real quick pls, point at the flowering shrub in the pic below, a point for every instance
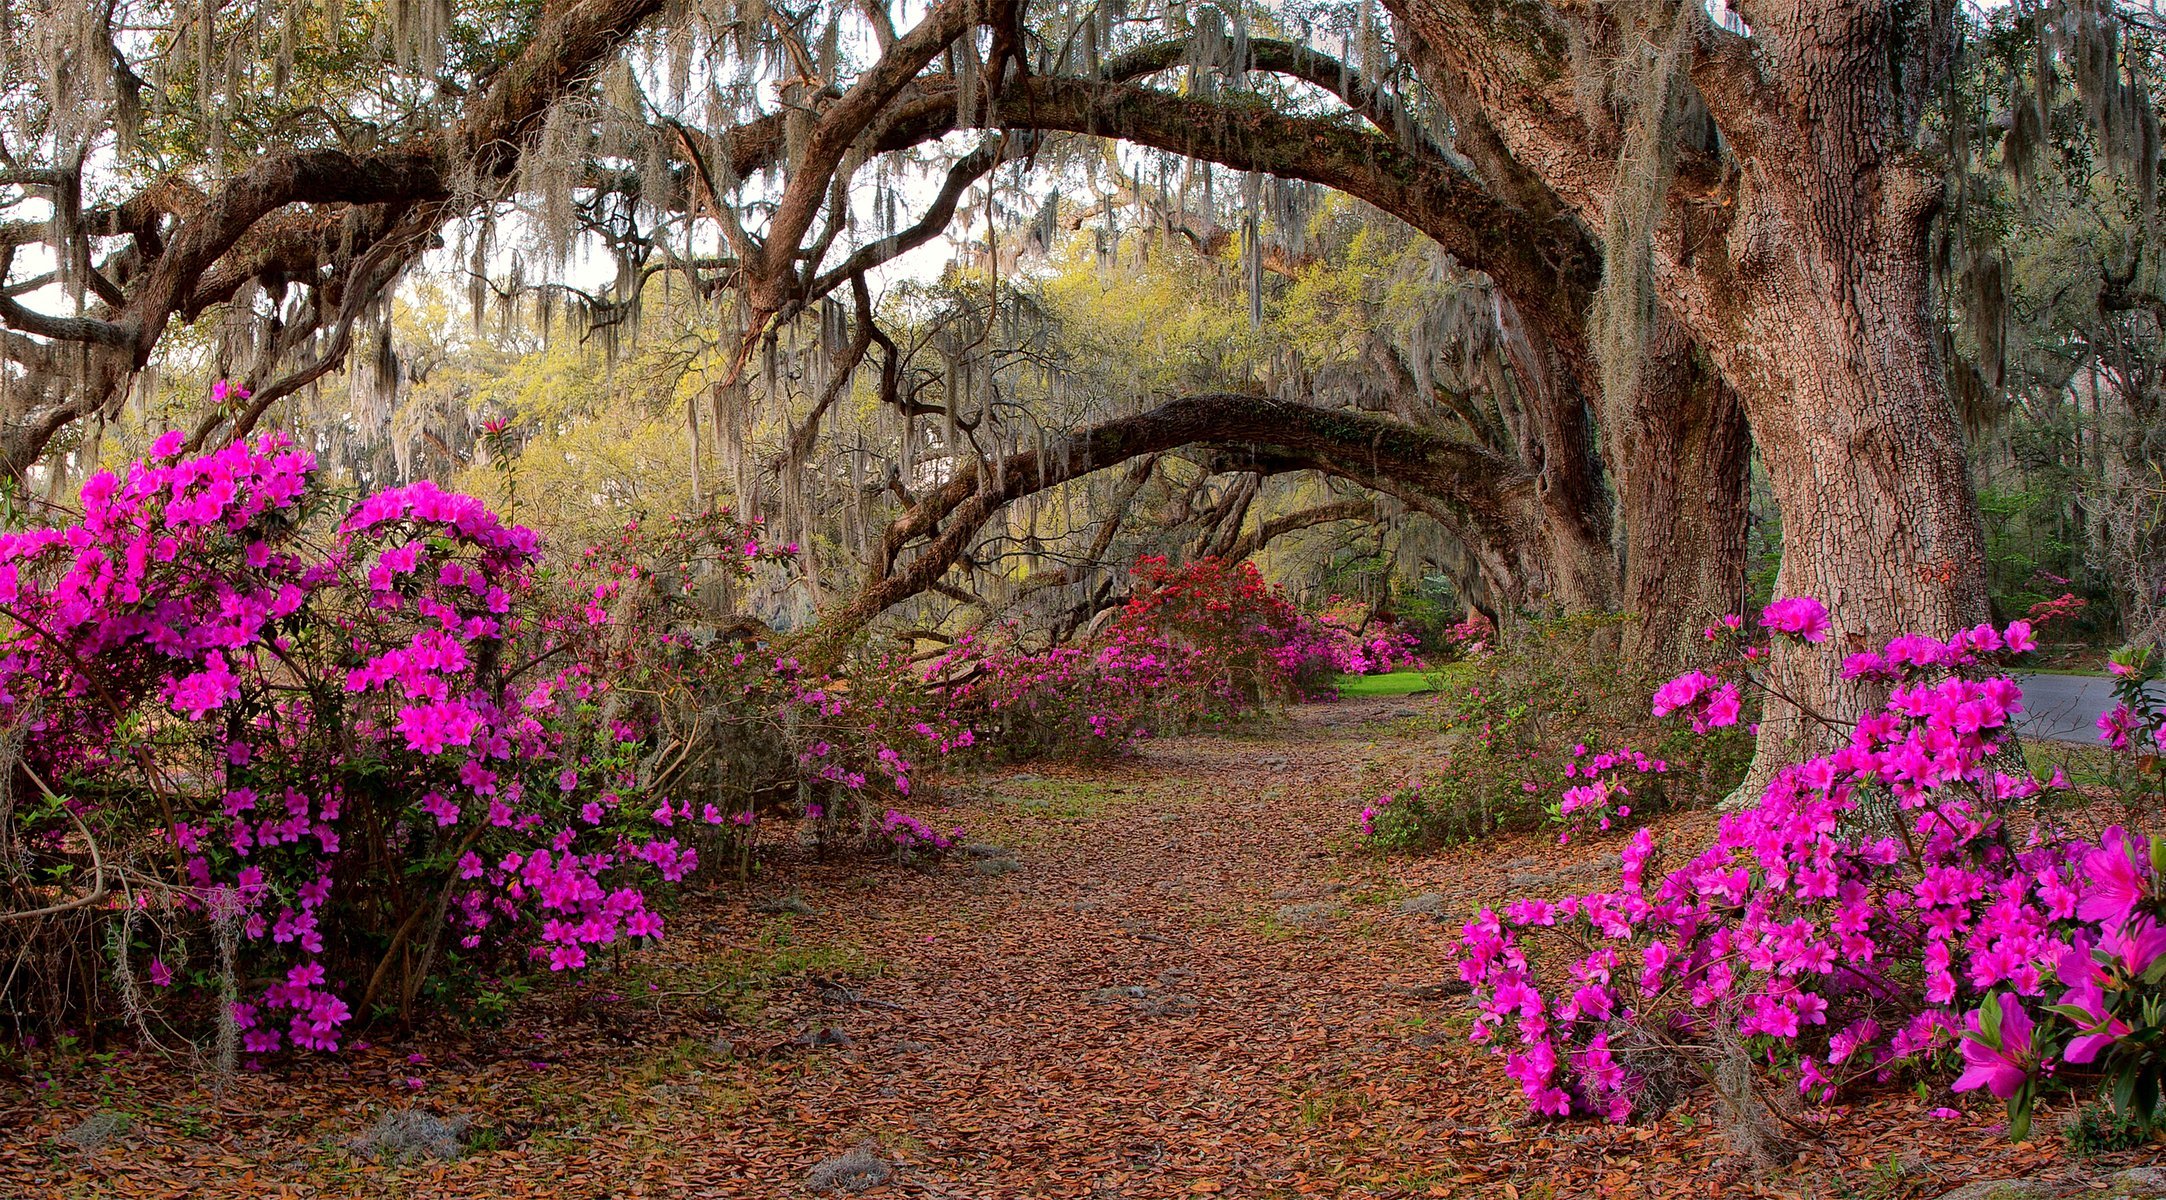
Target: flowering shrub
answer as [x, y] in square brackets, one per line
[749, 733]
[1396, 820]
[1879, 908]
[345, 750]
[398, 752]
[1540, 699]
[1604, 791]
[1344, 638]
[1202, 643]
[914, 839]
[1470, 637]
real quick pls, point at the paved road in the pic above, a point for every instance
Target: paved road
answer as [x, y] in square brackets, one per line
[2063, 708]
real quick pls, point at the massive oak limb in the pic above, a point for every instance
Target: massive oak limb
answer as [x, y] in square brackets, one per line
[1548, 274]
[187, 244]
[1468, 485]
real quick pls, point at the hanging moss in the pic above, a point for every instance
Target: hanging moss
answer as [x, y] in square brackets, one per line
[1652, 68]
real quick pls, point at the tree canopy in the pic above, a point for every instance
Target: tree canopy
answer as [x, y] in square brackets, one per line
[1547, 277]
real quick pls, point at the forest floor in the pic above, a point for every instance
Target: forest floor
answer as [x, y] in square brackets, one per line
[1178, 975]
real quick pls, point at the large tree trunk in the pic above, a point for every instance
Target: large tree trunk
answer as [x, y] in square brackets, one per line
[1818, 315]
[1865, 457]
[1676, 449]
[1683, 457]
[1551, 368]
[1793, 252]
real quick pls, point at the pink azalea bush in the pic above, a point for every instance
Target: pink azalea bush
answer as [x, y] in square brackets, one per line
[332, 742]
[389, 751]
[751, 734]
[913, 839]
[1344, 638]
[1897, 902]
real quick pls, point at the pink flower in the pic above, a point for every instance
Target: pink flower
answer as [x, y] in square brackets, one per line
[1723, 706]
[1996, 1048]
[2114, 883]
[2135, 943]
[2085, 1000]
[161, 975]
[1801, 616]
[1682, 691]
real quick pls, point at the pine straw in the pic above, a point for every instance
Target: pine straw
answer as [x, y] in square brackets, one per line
[1123, 1016]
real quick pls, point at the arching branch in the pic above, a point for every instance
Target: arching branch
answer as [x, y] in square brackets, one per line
[224, 226]
[1360, 508]
[1426, 470]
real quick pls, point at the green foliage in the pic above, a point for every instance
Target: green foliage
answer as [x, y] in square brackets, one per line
[2096, 1128]
[1553, 688]
[1429, 609]
[2049, 261]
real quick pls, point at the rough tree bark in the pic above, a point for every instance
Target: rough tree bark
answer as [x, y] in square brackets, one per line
[1817, 312]
[1794, 255]
[1682, 498]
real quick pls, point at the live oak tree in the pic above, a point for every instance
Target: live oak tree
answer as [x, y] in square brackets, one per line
[1692, 225]
[606, 153]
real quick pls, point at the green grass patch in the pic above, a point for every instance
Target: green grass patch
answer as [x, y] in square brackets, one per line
[1397, 683]
[740, 980]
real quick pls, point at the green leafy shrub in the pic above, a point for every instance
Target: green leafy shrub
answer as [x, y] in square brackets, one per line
[2096, 1128]
[1548, 688]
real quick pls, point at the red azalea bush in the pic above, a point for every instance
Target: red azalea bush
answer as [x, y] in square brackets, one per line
[1898, 903]
[397, 757]
[1203, 643]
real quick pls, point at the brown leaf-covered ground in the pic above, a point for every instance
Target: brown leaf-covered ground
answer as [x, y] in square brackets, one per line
[1179, 977]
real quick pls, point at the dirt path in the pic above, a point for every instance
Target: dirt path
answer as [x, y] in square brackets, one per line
[1171, 976]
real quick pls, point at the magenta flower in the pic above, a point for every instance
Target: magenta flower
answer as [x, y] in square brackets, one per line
[2085, 1003]
[1723, 707]
[1997, 1048]
[1800, 616]
[2135, 943]
[1682, 691]
[2115, 883]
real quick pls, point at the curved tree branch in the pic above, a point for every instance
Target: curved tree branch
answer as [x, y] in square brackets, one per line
[1428, 471]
